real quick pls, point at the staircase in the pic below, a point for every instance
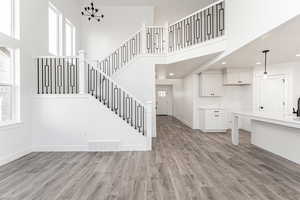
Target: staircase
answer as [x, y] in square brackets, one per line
[116, 99]
[76, 75]
[196, 29]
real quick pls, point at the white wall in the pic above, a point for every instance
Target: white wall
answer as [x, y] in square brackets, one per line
[164, 10]
[187, 114]
[119, 24]
[172, 11]
[248, 20]
[69, 123]
[15, 141]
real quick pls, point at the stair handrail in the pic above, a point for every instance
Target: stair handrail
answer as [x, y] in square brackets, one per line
[123, 54]
[114, 82]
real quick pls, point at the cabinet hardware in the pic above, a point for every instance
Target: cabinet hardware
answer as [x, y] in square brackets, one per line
[216, 115]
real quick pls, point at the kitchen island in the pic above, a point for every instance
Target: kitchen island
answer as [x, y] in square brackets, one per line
[278, 134]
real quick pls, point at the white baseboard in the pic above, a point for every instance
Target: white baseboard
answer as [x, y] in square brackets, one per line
[67, 148]
[85, 148]
[14, 156]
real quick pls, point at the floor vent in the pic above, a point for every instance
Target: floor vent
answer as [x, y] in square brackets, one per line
[104, 145]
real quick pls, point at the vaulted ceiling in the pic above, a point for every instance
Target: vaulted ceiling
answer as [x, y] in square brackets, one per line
[164, 10]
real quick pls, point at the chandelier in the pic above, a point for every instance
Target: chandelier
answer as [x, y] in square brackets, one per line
[92, 13]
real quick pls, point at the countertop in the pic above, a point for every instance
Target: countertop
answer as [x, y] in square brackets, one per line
[284, 120]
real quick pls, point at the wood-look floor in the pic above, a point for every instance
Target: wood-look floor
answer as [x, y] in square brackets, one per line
[184, 164]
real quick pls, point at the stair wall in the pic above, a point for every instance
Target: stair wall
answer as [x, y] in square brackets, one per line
[81, 123]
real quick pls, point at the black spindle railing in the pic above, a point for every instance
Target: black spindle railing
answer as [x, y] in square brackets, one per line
[204, 25]
[57, 75]
[155, 40]
[120, 57]
[116, 99]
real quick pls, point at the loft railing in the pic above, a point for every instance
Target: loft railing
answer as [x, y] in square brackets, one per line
[57, 75]
[155, 40]
[199, 27]
[203, 25]
[116, 99]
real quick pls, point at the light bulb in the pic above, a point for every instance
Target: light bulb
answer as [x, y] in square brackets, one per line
[265, 75]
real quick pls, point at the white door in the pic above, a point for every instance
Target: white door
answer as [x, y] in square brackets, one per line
[164, 100]
[272, 95]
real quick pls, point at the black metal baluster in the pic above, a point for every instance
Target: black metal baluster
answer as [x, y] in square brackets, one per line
[42, 75]
[123, 105]
[135, 120]
[100, 87]
[96, 83]
[64, 75]
[143, 120]
[51, 80]
[112, 96]
[107, 92]
[45, 75]
[222, 15]
[46, 78]
[77, 78]
[68, 75]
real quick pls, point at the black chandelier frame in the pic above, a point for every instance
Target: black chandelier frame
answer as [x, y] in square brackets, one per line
[92, 13]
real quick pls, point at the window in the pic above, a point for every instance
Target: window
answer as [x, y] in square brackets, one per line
[162, 93]
[69, 38]
[8, 86]
[55, 31]
[9, 15]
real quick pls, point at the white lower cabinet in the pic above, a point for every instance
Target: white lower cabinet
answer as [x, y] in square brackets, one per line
[212, 120]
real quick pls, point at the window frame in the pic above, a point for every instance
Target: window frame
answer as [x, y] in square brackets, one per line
[73, 37]
[14, 84]
[15, 20]
[59, 22]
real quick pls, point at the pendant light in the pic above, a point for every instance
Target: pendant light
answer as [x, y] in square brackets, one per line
[265, 72]
[92, 13]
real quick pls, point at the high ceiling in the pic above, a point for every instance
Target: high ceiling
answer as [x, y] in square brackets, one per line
[183, 68]
[164, 10]
[283, 43]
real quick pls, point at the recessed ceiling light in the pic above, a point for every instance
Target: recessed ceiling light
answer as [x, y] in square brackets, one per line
[298, 55]
[171, 74]
[223, 63]
[258, 63]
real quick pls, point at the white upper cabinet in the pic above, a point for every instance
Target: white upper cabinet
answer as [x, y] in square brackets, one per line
[211, 84]
[238, 76]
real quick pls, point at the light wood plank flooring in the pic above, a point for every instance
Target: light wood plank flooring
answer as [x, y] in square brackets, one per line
[184, 164]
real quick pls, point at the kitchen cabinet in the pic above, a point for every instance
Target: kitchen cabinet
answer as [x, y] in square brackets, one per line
[212, 120]
[211, 84]
[237, 76]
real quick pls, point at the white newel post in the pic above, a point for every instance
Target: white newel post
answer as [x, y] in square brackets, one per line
[149, 125]
[166, 37]
[82, 74]
[144, 39]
